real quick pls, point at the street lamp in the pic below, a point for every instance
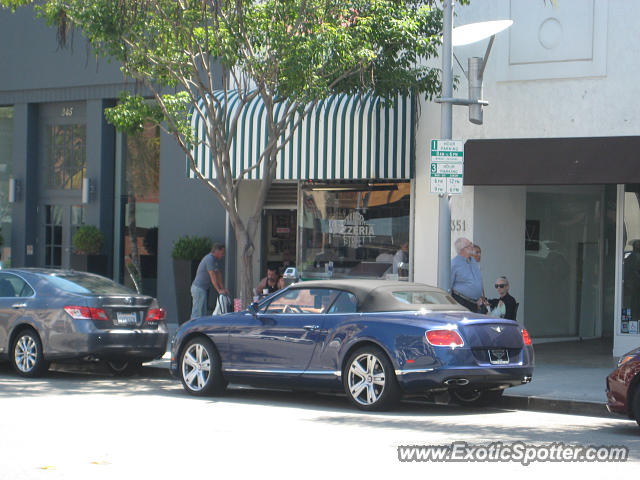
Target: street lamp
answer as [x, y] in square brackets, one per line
[463, 35]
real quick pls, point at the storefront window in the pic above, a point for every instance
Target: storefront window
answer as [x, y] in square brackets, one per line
[567, 260]
[6, 171]
[355, 230]
[631, 261]
[137, 206]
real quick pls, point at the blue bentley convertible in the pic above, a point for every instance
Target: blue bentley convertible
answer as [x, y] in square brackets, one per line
[376, 340]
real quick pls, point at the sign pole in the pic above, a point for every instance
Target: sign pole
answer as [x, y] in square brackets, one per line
[444, 217]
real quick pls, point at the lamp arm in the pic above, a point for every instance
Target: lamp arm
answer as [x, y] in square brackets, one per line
[486, 55]
[461, 67]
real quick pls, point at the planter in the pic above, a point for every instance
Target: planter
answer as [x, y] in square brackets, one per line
[97, 264]
[184, 271]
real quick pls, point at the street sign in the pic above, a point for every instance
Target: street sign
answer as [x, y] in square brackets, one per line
[446, 168]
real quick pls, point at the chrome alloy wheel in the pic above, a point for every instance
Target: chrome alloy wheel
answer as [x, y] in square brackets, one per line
[366, 379]
[196, 367]
[26, 353]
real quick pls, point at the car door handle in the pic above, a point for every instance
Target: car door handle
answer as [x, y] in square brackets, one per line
[18, 305]
[311, 327]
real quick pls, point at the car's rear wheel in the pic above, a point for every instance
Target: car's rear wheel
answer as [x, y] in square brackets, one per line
[369, 380]
[200, 368]
[472, 396]
[26, 354]
[123, 367]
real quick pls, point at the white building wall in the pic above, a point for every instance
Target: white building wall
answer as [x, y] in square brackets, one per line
[499, 224]
[566, 68]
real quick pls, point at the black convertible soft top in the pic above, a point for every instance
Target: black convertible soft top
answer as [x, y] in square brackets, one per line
[388, 296]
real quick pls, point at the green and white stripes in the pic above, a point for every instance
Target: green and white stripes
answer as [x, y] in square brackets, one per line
[343, 137]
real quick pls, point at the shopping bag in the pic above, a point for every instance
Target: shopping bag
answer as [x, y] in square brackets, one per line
[223, 305]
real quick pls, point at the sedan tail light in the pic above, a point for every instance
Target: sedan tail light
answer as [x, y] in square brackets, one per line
[446, 338]
[155, 315]
[525, 337]
[86, 313]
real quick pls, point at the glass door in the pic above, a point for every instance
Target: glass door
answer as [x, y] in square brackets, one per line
[60, 223]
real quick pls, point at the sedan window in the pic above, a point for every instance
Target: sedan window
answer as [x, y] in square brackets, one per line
[14, 286]
[77, 282]
[302, 301]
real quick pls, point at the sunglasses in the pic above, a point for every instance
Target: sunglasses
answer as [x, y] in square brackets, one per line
[500, 285]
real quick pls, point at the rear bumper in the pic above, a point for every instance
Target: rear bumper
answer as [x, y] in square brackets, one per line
[138, 344]
[131, 344]
[463, 377]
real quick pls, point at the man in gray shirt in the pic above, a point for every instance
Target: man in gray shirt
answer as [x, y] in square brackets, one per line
[209, 273]
[466, 279]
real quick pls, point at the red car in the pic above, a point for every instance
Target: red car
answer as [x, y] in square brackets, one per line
[623, 386]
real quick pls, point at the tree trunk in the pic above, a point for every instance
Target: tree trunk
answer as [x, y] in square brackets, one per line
[133, 267]
[245, 244]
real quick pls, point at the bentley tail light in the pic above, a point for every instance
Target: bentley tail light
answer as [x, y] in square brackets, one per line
[525, 337]
[445, 338]
[155, 315]
[86, 313]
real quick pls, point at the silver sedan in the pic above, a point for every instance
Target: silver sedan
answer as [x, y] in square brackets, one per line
[48, 315]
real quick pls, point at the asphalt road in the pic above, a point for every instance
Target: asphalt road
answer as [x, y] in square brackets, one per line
[79, 425]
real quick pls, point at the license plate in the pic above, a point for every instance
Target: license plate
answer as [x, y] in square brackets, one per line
[499, 356]
[126, 318]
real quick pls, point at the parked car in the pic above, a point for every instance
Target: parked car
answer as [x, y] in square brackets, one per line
[48, 315]
[373, 339]
[623, 386]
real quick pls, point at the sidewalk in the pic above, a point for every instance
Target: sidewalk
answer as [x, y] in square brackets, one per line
[569, 377]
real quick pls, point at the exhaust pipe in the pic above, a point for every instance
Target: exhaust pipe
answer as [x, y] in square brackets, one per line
[526, 379]
[457, 381]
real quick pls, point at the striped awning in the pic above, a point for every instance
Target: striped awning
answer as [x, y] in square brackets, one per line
[343, 137]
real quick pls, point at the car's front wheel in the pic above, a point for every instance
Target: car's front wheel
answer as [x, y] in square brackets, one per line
[635, 405]
[26, 354]
[476, 396]
[369, 379]
[200, 368]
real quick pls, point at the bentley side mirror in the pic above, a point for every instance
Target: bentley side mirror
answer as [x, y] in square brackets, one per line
[253, 308]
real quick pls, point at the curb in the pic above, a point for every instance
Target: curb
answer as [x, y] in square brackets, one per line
[555, 405]
[539, 404]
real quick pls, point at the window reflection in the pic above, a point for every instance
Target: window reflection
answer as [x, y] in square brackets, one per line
[139, 210]
[631, 261]
[355, 230]
[6, 171]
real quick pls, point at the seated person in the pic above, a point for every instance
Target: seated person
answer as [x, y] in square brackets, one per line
[270, 283]
[502, 307]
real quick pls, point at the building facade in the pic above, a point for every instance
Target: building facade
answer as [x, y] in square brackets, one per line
[551, 177]
[54, 140]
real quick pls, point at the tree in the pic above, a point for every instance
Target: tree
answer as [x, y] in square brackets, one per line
[291, 53]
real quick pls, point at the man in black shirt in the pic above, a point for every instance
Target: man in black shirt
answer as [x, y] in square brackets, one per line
[270, 283]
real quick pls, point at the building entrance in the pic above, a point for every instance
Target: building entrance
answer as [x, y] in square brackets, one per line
[278, 240]
[569, 260]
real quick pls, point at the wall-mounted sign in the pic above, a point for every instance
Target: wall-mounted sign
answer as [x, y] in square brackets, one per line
[446, 168]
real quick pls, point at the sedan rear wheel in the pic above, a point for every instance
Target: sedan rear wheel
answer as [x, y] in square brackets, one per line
[200, 368]
[26, 354]
[123, 367]
[476, 397]
[369, 380]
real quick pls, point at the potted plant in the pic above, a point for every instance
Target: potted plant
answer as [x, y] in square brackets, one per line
[187, 253]
[87, 256]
